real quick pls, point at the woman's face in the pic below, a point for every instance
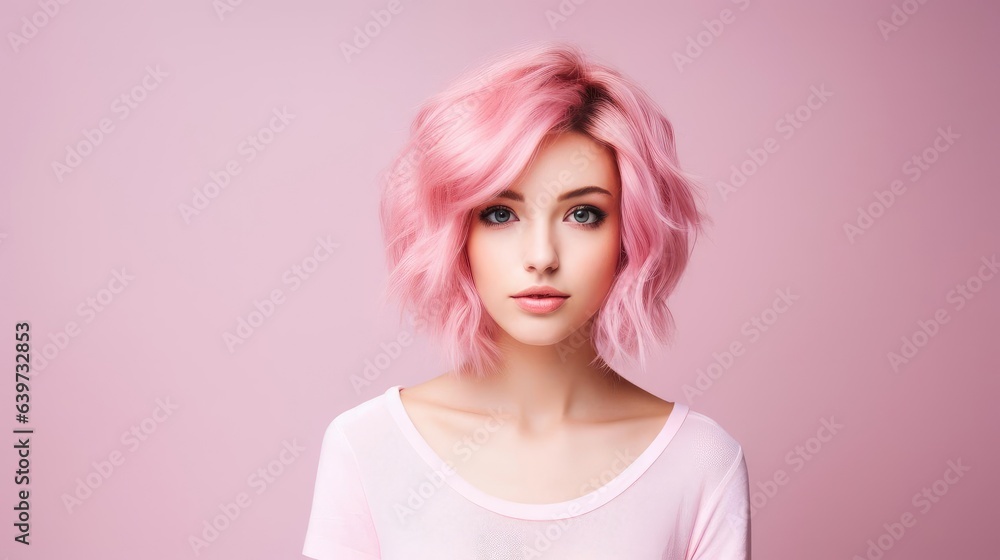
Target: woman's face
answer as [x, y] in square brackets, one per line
[557, 226]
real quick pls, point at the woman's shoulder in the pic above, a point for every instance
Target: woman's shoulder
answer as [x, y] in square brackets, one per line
[698, 436]
[710, 444]
[709, 423]
[364, 416]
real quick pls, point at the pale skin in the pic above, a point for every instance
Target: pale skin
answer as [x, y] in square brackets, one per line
[565, 423]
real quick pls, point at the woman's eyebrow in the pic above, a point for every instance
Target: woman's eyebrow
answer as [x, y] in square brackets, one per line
[566, 195]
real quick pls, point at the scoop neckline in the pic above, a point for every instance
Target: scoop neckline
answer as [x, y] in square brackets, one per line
[528, 511]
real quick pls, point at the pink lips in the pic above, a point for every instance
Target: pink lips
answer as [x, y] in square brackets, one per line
[540, 304]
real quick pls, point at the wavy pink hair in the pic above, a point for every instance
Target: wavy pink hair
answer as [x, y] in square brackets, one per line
[472, 140]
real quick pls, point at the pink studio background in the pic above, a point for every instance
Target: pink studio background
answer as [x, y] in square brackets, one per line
[824, 358]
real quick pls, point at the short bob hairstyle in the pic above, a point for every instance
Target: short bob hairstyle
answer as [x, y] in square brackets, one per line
[472, 140]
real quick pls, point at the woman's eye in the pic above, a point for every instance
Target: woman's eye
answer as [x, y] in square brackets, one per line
[587, 216]
[502, 215]
[581, 215]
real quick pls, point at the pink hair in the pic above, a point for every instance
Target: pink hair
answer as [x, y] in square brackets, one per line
[473, 139]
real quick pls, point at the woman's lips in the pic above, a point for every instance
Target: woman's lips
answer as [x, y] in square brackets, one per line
[540, 304]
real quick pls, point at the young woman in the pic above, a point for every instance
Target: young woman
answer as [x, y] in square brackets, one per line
[536, 222]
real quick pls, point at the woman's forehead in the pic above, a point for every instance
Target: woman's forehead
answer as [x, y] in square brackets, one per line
[566, 164]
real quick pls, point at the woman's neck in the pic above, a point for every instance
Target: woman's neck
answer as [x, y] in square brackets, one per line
[542, 386]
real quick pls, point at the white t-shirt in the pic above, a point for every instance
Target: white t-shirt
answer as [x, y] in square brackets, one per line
[382, 493]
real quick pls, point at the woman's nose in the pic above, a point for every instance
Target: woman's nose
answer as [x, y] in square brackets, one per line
[540, 253]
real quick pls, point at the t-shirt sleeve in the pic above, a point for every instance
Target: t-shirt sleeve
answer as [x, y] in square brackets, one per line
[340, 523]
[723, 530]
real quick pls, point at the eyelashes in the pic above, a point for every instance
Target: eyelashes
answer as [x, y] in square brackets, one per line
[506, 215]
